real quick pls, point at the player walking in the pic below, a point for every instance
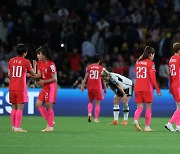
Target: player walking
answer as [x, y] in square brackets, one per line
[174, 67]
[145, 80]
[94, 87]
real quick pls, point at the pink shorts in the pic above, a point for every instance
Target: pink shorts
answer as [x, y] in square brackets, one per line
[47, 96]
[95, 94]
[143, 97]
[18, 97]
[175, 91]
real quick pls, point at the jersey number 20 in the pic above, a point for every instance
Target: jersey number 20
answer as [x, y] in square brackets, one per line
[94, 74]
[141, 72]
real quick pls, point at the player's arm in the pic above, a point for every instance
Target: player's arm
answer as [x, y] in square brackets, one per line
[104, 85]
[154, 82]
[52, 79]
[84, 81]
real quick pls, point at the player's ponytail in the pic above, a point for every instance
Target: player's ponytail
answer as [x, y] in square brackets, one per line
[147, 52]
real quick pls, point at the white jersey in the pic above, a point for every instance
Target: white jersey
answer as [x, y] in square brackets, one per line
[125, 83]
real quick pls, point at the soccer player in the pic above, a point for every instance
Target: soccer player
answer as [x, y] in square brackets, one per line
[123, 89]
[145, 80]
[94, 87]
[174, 67]
[17, 72]
[46, 72]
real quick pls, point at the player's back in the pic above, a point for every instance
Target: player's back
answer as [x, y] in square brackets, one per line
[122, 80]
[142, 69]
[94, 77]
[174, 67]
[18, 68]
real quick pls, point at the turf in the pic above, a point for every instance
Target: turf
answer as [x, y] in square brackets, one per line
[74, 135]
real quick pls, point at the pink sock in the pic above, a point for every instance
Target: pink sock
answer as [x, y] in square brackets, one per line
[43, 112]
[50, 117]
[13, 114]
[178, 118]
[174, 117]
[90, 107]
[137, 113]
[18, 118]
[97, 111]
[148, 117]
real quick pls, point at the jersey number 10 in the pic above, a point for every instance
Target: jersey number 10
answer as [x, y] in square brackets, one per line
[16, 71]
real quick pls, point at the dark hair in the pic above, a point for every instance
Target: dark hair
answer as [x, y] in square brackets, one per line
[21, 49]
[96, 58]
[45, 50]
[176, 47]
[147, 51]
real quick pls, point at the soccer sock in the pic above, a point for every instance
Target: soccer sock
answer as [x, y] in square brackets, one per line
[148, 115]
[116, 112]
[126, 112]
[137, 113]
[174, 117]
[13, 114]
[18, 118]
[50, 117]
[97, 111]
[178, 118]
[90, 107]
[43, 112]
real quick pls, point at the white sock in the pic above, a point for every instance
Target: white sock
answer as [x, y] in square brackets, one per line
[126, 112]
[116, 112]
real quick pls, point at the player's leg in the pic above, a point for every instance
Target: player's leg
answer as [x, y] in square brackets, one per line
[90, 104]
[137, 115]
[39, 105]
[175, 117]
[18, 118]
[148, 116]
[98, 96]
[50, 117]
[13, 115]
[178, 117]
[116, 110]
[97, 111]
[41, 109]
[125, 111]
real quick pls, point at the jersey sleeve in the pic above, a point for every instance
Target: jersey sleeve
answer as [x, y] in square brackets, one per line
[153, 77]
[29, 66]
[53, 68]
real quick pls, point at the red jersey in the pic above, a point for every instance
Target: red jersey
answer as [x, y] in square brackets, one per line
[145, 76]
[47, 69]
[174, 67]
[94, 77]
[18, 68]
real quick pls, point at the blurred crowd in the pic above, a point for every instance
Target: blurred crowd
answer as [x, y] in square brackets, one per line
[75, 30]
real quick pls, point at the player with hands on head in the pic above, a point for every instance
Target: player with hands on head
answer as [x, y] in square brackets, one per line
[123, 89]
[174, 67]
[94, 87]
[47, 75]
[18, 67]
[143, 88]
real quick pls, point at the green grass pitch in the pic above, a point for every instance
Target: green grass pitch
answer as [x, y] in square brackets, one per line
[74, 135]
